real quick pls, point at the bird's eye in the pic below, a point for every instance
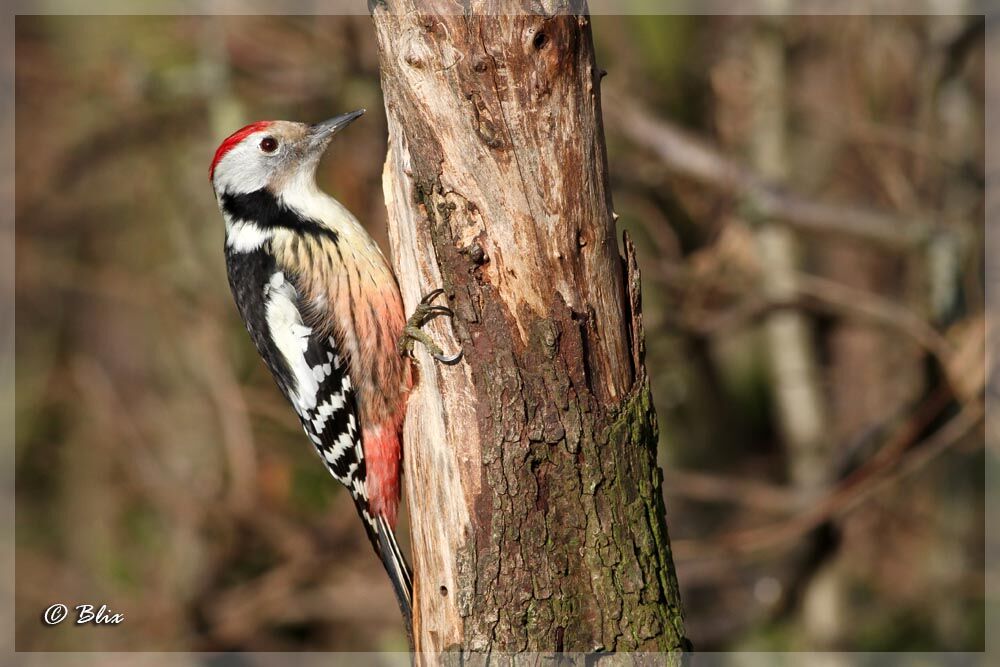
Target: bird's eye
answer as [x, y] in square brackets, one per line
[269, 144]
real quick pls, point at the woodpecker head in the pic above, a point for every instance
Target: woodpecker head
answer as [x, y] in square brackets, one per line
[272, 154]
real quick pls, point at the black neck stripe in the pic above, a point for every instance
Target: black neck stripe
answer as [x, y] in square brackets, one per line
[261, 207]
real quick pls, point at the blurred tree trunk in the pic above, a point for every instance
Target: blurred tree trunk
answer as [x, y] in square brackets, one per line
[799, 398]
[796, 378]
[535, 501]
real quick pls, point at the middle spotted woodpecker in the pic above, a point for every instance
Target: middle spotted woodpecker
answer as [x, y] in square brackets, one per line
[324, 310]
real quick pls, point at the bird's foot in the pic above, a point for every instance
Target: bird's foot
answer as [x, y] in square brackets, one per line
[422, 314]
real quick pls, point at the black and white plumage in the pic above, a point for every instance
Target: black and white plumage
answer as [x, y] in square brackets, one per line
[306, 366]
[299, 266]
[310, 372]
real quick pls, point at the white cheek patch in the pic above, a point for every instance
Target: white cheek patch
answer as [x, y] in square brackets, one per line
[291, 336]
[244, 168]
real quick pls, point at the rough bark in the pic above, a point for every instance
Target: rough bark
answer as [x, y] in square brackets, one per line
[536, 508]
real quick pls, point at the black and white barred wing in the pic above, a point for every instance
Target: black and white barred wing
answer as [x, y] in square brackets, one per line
[319, 386]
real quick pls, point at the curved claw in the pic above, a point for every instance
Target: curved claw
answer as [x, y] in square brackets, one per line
[440, 310]
[449, 361]
[424, 313]
[430, 296]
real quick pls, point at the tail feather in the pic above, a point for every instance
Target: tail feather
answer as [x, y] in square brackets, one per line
[397, 568]
[383, 539]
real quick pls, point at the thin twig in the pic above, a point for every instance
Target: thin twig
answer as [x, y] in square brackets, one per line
[696, 159]
[814, 293]
[724, 488]
[233, 415]
[891, 464]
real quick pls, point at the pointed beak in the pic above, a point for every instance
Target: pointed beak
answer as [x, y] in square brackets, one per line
[320, 133]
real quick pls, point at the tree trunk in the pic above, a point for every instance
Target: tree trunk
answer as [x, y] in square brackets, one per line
[536, 509]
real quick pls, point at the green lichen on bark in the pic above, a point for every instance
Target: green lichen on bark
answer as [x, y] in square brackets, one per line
[572, 544]
[636, 481]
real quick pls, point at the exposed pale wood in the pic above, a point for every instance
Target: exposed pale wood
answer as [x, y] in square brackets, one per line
[535, 502]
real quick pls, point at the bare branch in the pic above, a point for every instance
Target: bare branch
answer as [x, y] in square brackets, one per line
[697, 160]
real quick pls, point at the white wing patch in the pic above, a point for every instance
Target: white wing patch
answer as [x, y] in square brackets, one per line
[320, 391]
[291, 336]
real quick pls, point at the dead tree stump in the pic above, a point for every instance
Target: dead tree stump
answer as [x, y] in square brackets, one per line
[535, 500]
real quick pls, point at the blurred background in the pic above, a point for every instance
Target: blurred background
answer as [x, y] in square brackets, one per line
[806, 194]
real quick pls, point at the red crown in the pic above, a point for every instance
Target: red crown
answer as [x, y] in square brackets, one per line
[236, 137]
